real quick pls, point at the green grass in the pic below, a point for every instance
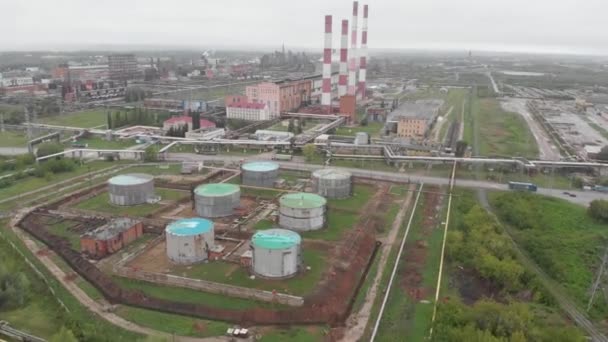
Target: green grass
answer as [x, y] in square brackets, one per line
[12, 139]
[502, 133]
[293, 176]
[191, 296]
[101, 203]
[264, 224]
[599, 129]
[560, 237]
[295, 334]
[62, 230]
[101, 143]
[279, 127]
[173, 324]
[263, 193]
[337, 223]
[361, 195]
[233, 274]
[85, 119]
[453, 100]
[372, 128]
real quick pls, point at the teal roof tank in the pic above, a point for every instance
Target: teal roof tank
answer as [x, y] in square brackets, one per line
[189, 226]
[131, 179]
[260, 166]
[216, 189]
[276, 239]
[302, 200]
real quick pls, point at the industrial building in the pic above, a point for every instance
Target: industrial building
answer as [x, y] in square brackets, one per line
[260, 174]
[185, 120]
[302, 211]
[249, 111]
[131, 189]
[414, 119]
[189, 240]
[123, 67]
[332, 183]
[111, 237]
[280, 96]
[216, 199]
[276, 253]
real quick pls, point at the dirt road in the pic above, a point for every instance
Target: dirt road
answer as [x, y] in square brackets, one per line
[440, 124]
[357, 321]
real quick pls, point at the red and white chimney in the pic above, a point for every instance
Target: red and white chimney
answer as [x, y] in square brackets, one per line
[343, 80]
[352, 65]
[363, 54]
[326, 87]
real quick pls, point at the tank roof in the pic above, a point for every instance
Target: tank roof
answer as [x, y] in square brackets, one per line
[131, 179]
[260, 166]
[276, 238]
[302, 200]
[332, 174]
[189, 226]
[216, 189]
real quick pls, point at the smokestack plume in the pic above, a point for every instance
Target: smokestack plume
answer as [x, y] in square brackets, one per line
[326, 90]
[352, 65]
[363, 54]
[342, 82]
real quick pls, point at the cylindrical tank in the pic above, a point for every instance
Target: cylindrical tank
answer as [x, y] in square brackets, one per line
[276, 253]
[189, 240]
[131, 189]
[332, 183]
[216, 199]
[302, 211]
[262, 174]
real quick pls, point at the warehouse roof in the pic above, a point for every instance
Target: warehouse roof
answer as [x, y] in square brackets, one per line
[131, 179]
[261, 166]
[216, 189]
[275, 238]
[189, 226]
[302, 200]
[421, 109]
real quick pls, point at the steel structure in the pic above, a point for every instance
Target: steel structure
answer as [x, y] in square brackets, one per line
[131, 189]
[261, 174]
[302, 211]
[276, 253]
[189, 240]
[216, 199]
[332, 183]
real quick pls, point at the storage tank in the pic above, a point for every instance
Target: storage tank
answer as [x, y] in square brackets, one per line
[131, 189]
[302, 211]
[262, 174]
[189, 240]
[276, 253]
[216, 199]
[332, 183]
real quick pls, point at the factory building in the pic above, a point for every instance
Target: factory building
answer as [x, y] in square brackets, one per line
[123, 67]
[281, 96]
[111, 237]
[189, 240]
[131, 189]
[216, 199]
[302, 211]
[249, 111]
[276, 253]
[332, 183]
[260, 174]
[414, 119]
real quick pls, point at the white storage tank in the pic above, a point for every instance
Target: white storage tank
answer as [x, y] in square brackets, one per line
[261, 174]
[189, 240]
[276, 253]
[332, 183]
[302, 211]
[131, 189]
[217, 199]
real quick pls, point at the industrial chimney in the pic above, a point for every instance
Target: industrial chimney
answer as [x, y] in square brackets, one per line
[352, 67]
[326, 87]
[342, 82]
[363, 53]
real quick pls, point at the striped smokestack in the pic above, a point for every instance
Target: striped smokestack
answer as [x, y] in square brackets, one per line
[363, 54]
[342, 82]
[352, 64]
[326, 91]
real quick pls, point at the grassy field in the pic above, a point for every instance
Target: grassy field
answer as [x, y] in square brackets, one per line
[372, 128]
[453, 100]
[62, 230]
[85, 119]
[264, 224]
[502, 133]
[295, 334]
[560, 237]
[262, 193]
[361, 195]
[191, 296]
[12, 139]
[104, 144]
[101, 203]
[233, 274]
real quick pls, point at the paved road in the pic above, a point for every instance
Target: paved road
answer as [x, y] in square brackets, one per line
[582, 197]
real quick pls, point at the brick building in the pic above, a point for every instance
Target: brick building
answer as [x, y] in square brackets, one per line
[414, 119]
[111, 237]
[249, 111]
[281, 96]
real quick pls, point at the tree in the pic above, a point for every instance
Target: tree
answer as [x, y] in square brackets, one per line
[598, 209]
[309, 151]
[290, 127]
[46, 149]
[364, 122]
[603, 155]
[13, 288]
[151, 154]
[461, 148]
[64, 335]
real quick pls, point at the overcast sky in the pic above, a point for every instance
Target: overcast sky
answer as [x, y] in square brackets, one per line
[571, 26]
